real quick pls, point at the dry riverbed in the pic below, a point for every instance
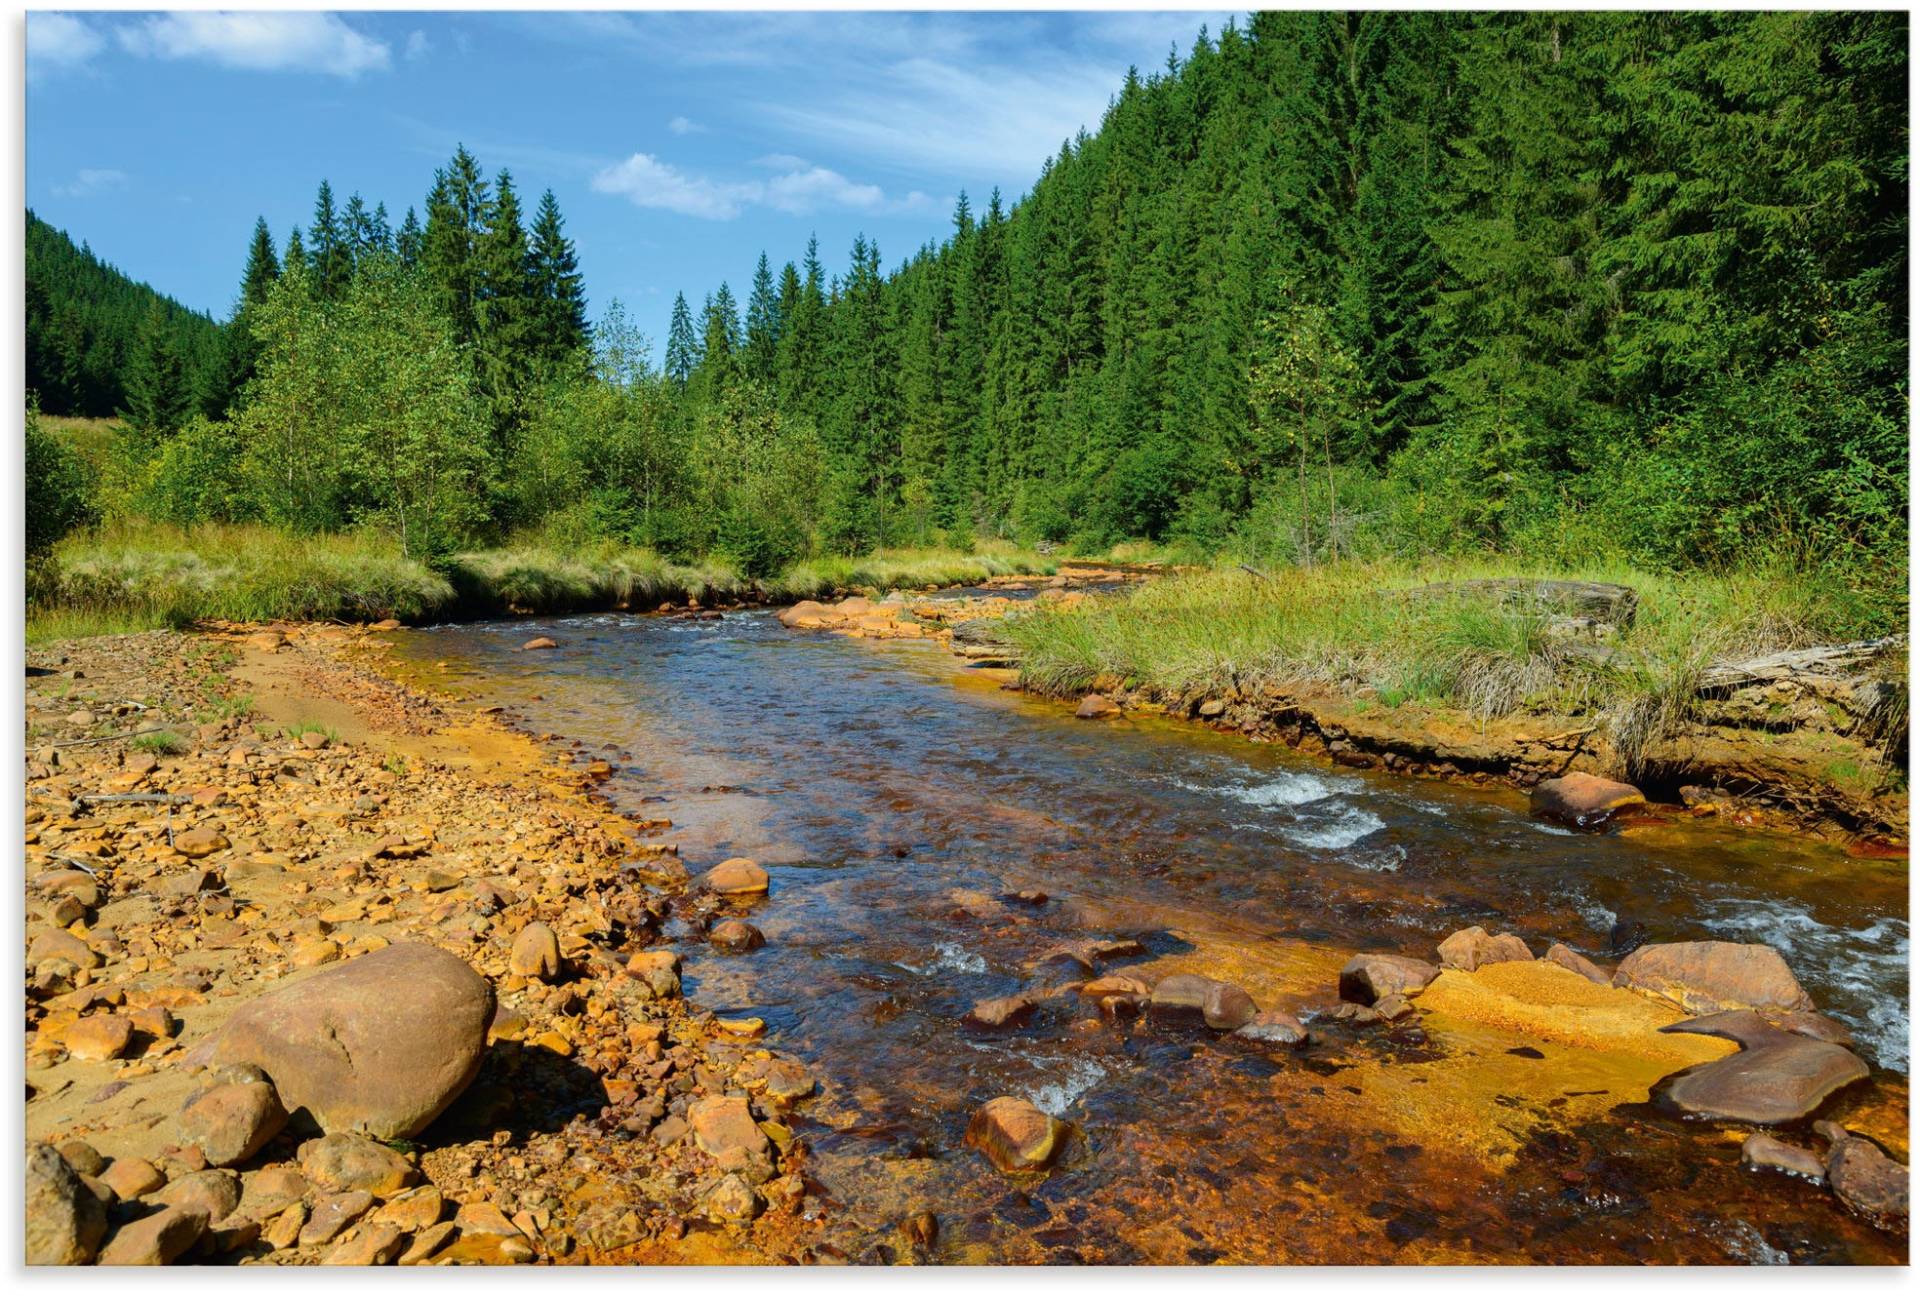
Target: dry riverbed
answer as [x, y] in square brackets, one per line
[313, 816]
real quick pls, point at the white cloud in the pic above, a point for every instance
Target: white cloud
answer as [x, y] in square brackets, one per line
[418, 46]
[798, 189]
[258, 42]
[58, 40]
[685, 126]
[645, 181]
[90, 181]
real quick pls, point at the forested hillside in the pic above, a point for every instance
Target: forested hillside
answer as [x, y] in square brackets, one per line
[1630, 284]
[92, 333]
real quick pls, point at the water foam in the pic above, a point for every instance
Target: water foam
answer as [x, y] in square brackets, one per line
[1083, 1075]
[948, 957]
[1349, 826]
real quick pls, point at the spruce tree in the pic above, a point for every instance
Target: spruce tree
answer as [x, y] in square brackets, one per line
[557, 286]
[159, 396]
[332, 253]
[763, 326]
[683, 346]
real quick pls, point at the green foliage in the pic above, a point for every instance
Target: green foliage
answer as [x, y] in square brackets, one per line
[163, 742]
[59, 494]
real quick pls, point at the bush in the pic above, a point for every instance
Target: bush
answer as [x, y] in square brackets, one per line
[59, 490]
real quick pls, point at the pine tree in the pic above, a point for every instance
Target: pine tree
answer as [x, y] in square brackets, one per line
[763, 326]
[411, 239]
[507, 306]
[159, 396]
[683, 346]
[457, 211]
[332, 254]
[558, 287]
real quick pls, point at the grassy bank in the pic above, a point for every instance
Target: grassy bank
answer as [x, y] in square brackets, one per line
[124, 579]
[1358, 630]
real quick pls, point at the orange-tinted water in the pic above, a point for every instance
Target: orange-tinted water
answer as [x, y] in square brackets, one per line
[876, 780]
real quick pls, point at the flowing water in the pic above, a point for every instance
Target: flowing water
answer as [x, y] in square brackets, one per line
[880, 782]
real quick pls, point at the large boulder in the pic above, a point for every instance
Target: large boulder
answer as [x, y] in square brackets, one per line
[1370, 977]
[156, 1239]
[736, 877]
[1015, 1135]
[380, 1045]
[1582, 800]
[1714, 976]
[348, 1162]
[65, 1220]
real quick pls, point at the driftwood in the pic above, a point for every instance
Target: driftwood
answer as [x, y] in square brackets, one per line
[1829, 663]
[1606, 604]
[111, 737]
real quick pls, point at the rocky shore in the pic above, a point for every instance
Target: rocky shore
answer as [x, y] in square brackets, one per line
[319, 972]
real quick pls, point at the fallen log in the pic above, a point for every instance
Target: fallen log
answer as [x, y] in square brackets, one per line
[1608, 604]
[1833, 661]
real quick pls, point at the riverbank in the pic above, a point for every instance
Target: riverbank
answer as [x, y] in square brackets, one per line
[215, 818]
[128, 579]
[1720, 695]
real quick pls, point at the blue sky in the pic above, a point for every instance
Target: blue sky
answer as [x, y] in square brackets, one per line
[679, 145]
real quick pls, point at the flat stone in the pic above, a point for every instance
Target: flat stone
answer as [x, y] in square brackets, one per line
[332, 1215]
[1016, 1135]
[541, 644]
[199, 842]
[379, 1045]
[723, 1123]
[214, 1192]
[65, 1221]
[1473, 948]
[426, 1244]
[130, 1177]
[157, 1239]
[1783, 1079]
[1369, 977]
[1181, 995]
[1001, 1013]
[1714, 976]
[1582, 800]
[736, 877]
[414, 1209]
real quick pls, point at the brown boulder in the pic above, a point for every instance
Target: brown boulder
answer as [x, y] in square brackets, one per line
[98, 1038]
[1865, 1178]
[806, 614]
[1473, 948]
[1228, 1007]
[1275, 1027]
[1015, 1134]
[721, 1124]
[1713, 976]
[1370, 977]
[541, 644]
[1782, 1078]
[999, 1013]
[199, 842]
[380, 1045]
[1582, 800]
[736, 936]
[736, 877]
[1764, 1151]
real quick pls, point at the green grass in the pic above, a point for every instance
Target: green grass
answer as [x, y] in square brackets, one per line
[1350, 629]
[300, 728]
[164, 742]
[127, 578]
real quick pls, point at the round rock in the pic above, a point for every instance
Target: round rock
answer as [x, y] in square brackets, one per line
[380, 1045]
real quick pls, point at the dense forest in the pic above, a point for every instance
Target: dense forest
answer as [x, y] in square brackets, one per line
[1329, 284]
[86, 321]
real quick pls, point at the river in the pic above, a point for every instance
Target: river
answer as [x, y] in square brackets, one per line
[901, 801]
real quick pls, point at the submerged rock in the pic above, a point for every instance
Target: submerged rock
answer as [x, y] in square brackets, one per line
[1764, 1151]
[1015, 1134]
[999, 1013]
[736, 936]
[1713, 976]
[541, 644]
[380, 1045]
[1582, 800]
[1473, 948]
[1274, 1027]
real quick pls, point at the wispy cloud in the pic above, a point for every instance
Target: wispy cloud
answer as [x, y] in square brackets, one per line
[797, 189]
[418, 46]
[91, 181]
[685, 126]
[259, 42]
[58, 41]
